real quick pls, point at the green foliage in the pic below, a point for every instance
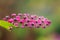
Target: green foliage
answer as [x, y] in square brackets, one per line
[5, 24]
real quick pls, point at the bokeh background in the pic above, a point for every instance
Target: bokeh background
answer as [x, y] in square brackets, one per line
[46, 8]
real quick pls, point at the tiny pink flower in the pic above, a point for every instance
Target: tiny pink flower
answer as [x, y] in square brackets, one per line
[11, 20]
[16, 24]
[42, 17]
[37, 26]
[43, 26]
[27, 20]
[18, 18]
[15, 19]
[48, 22]
[26, 24]
[4, 19]
[19, 14]
[13, 14]
[7, 17]
[25, 17]
[32, 17]
[31, 24]
[39, 21]
[22, 21]
[25, 14]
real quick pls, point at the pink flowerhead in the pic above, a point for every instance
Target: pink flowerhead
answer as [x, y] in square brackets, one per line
[27, 20]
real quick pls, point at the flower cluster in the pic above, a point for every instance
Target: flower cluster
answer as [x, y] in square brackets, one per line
[27, 20]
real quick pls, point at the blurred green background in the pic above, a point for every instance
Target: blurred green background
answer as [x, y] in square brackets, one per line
[46, 8]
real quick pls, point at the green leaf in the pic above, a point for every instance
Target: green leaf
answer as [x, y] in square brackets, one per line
[5, 24]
